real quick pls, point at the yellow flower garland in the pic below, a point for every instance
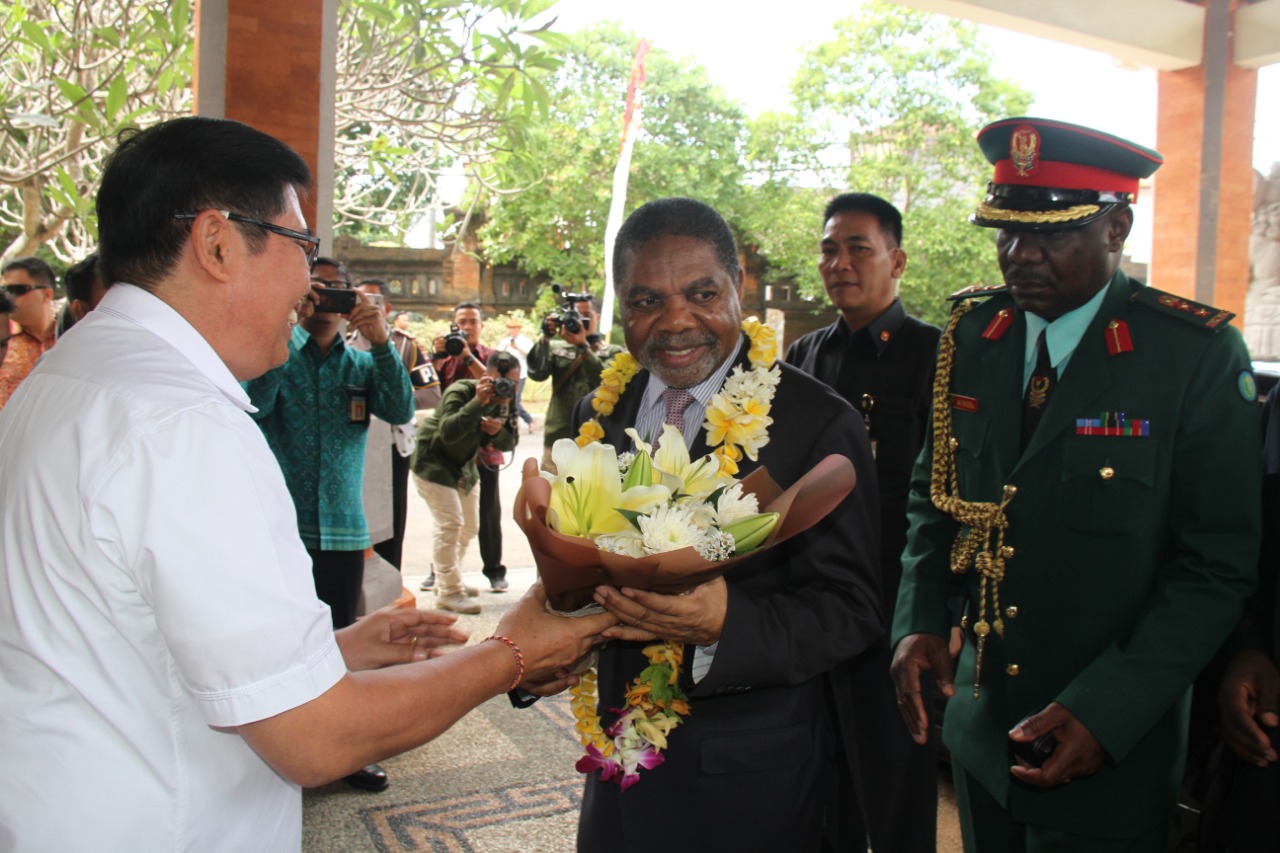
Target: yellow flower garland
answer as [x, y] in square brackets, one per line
[734, 427]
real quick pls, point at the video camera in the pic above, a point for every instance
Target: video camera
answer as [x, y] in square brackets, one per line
[455, 342]
[568, 317]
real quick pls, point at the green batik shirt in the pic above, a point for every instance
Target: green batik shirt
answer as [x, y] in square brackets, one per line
[314, 410]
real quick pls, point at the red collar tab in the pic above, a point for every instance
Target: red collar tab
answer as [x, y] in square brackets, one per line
[999, 325]
[1118, 339]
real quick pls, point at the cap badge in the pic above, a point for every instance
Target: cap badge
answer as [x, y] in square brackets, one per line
[1024, 150]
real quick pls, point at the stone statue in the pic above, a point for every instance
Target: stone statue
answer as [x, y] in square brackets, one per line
[1262, 303]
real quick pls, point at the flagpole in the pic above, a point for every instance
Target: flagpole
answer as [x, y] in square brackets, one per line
[621, 172]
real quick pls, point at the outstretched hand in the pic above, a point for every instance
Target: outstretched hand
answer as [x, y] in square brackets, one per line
[552, 645]
[396, 635]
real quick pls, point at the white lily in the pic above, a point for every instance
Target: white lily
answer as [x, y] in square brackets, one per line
[587, 494]
[682, 475]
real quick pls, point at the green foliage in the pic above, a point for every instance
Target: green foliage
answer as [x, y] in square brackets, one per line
[691, 143]
[73, 73]
[889, 105]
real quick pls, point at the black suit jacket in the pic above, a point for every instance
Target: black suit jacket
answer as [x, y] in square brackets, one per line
[744, 770]
[895, 369]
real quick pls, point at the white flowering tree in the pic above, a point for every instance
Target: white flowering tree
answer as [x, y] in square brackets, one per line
[423, 87]
[72, 74]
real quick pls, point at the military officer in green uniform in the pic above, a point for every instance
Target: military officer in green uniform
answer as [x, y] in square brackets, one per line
[1091, 489]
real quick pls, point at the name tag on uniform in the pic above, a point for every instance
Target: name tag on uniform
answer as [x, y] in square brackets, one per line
[963, 403]
[357, 404]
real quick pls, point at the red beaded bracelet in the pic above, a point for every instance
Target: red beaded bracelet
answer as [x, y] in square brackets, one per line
[515, 650]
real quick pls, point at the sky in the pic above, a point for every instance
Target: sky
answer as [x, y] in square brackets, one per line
[753, 57]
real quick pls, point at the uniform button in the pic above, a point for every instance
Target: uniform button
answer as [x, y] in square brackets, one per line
[955, 444]
[1011, 612]
[1012, 669]
[964, 622]
[1106, 472]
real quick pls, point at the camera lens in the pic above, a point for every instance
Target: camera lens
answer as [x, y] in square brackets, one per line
[504, 388]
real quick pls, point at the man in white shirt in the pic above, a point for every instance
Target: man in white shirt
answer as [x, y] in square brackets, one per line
[518, 344]
[167, 667]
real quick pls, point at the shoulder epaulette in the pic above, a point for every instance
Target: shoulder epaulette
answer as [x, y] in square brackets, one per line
[975, 290]
[1195, 313]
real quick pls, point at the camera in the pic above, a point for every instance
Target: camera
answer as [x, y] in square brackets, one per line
[567, 315]
[455, 342]
[335, 301]
[504, 388]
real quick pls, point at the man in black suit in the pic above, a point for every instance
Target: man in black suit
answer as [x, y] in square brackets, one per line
[747, 769]
[1249, 692]
[881, 360]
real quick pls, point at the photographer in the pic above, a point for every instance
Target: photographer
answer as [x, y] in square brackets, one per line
[314, 411]
[459, 354]
[426, 394]
[473, 415]
[563, 355]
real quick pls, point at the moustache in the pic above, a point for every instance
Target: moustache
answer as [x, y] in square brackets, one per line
[1016, 276]
[680, 340]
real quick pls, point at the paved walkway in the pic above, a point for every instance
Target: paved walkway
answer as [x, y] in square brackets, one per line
[501, 780]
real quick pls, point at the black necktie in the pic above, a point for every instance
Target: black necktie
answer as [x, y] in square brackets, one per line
[1039, 389]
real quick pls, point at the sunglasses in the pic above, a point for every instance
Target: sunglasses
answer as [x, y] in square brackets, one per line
[24, 289]
[312, 248]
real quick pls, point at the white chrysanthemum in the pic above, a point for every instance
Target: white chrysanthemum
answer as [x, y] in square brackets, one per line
[626, 544]
[733, 505]
[716, 545]
[624, 462]
[669, 528]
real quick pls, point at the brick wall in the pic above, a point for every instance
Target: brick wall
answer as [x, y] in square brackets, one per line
[273, 73]
[1179, 136]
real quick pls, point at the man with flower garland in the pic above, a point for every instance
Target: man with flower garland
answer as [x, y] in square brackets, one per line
[747, 769]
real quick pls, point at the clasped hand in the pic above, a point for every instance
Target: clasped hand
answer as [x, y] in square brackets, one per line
[695, 617]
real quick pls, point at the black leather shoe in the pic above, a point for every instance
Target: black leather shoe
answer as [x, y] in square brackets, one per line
[371, 778]
[499, 584]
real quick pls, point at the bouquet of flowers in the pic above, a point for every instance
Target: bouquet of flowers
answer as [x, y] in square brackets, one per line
[660, 521]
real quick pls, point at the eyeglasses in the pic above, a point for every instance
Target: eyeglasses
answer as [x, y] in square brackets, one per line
[24, 289]
[312, 241]
[335, 284]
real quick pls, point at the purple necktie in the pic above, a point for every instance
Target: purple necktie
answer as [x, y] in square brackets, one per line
[676, 401]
